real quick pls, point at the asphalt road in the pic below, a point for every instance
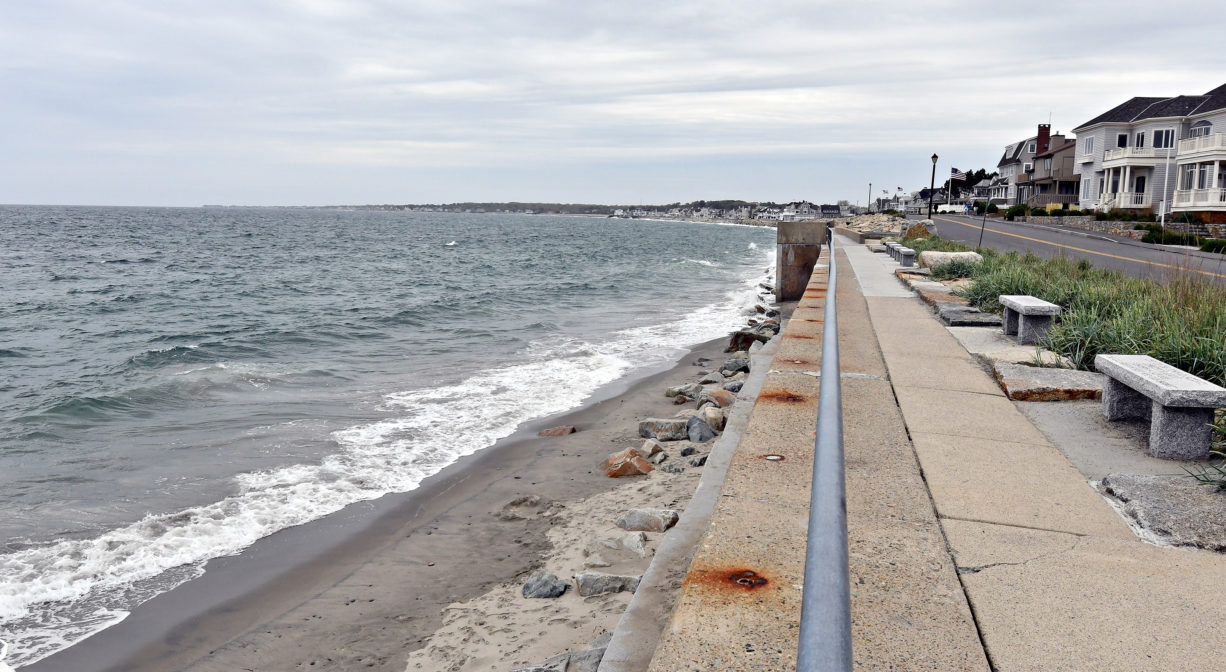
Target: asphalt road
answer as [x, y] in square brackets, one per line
[1141, 260]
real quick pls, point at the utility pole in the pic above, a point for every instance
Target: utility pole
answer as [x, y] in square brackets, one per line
[932, 185]
[869, 203]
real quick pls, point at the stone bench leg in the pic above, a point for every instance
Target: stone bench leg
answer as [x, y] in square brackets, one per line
[1010, 322]
[1030, 328]
[1121, 402]
[908, 259]
[1180, 433]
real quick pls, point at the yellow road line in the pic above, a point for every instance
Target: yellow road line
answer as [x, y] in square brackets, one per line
[1082, 249]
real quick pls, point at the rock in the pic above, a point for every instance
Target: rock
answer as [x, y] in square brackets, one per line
[772, 313]
[650, 447]
[595, 560]
[663, 429]
[658, 458]
[688, 450]
[744, 339]
[673, 467]
[627, 462]
[587, 661]
[647, 520]
[734, 386]
[1030, 383]
[721, 397]
[680, 399]
[733, 366]
[635, 542]
[713, 378]
[596, 583]
[557, 431]
[932, 258]
[741, 354]
[1178, 507]
[766, 287]
[544, 585]
[957, 315]
[691, 390]
[699, 431]
[918, 230]
[698, 460]
[686, 413]
[739, 377]
[714, 417]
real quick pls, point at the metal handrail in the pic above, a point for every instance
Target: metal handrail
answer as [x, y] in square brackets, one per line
[825, 611]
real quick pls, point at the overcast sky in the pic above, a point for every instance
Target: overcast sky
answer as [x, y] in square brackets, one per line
[267, 102]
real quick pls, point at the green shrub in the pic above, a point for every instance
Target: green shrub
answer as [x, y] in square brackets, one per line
[1215, 245]
[980, 207]
[992, 209]
[1016, 211]
[952, 270]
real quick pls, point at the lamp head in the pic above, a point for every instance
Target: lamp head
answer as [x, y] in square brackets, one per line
[934, 159]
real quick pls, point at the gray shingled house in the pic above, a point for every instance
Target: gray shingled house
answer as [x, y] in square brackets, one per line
[1156, 154]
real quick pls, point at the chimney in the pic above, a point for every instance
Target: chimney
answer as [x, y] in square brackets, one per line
[1044, 142]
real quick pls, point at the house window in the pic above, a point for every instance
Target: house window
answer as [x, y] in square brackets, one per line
[1047, 164]
[1140, 140]
[1202, 176]
[1186, 180]
[1164, 139]
[1028, 168]
[1085, 190]
[1121, 140]
[1200, 129]
[1087, 146]
[1030, 148]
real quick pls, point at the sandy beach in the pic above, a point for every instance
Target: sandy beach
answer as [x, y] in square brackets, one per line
[429, 579]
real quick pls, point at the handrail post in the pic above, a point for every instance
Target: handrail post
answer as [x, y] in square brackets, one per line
[825, 613]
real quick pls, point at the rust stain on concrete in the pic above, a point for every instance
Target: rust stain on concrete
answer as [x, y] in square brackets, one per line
[727, 579]
[781, 396]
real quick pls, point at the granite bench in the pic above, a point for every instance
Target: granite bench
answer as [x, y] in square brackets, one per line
[906, 256]
[1179, 405]
[891, 248]
[1027, 317]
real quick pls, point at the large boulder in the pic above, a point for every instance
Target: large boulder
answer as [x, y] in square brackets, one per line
[699, 431]
[627, 462]
[544, 585]
[714, 417]
[691, 390]
[647, 520]
[932, 258]
[597, 583]
[713, 378]
[721, 397]
[733, 366]
[663, 429]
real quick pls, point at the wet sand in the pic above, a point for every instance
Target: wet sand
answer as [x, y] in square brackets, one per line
[435, 571]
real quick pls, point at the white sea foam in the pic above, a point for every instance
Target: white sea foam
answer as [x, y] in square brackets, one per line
[753, 246]
[52, 596]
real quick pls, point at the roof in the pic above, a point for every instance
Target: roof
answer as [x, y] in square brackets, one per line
[1142, 108]
[1015, 156]
[1058, 148]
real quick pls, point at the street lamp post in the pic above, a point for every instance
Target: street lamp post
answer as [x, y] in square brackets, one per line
[932, 185]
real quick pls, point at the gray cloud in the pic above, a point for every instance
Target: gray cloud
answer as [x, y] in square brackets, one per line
[311, 101]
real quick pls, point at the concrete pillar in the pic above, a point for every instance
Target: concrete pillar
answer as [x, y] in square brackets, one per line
[799, 244]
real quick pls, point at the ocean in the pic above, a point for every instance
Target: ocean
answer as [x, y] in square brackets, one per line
[181, 382]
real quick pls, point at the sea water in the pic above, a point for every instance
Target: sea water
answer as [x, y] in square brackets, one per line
[178, 383]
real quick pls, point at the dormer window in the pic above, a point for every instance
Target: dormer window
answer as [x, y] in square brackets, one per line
[1030, 149]
[1200, 129]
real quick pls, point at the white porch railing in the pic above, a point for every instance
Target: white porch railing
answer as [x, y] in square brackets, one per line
[1126, 199]
[1130, 153]
[1191, 198]
[1203, 143]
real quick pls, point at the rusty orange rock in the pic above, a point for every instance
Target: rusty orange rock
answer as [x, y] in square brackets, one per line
[628, 462]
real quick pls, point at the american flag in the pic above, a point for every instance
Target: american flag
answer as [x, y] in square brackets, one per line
[955, 174]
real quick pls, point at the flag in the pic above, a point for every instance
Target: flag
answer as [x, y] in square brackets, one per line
[955, 174]
[886, 192]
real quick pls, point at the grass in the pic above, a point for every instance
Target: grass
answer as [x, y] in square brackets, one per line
[1181, 322]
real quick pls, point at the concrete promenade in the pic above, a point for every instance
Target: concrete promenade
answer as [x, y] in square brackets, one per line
[974, 543]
